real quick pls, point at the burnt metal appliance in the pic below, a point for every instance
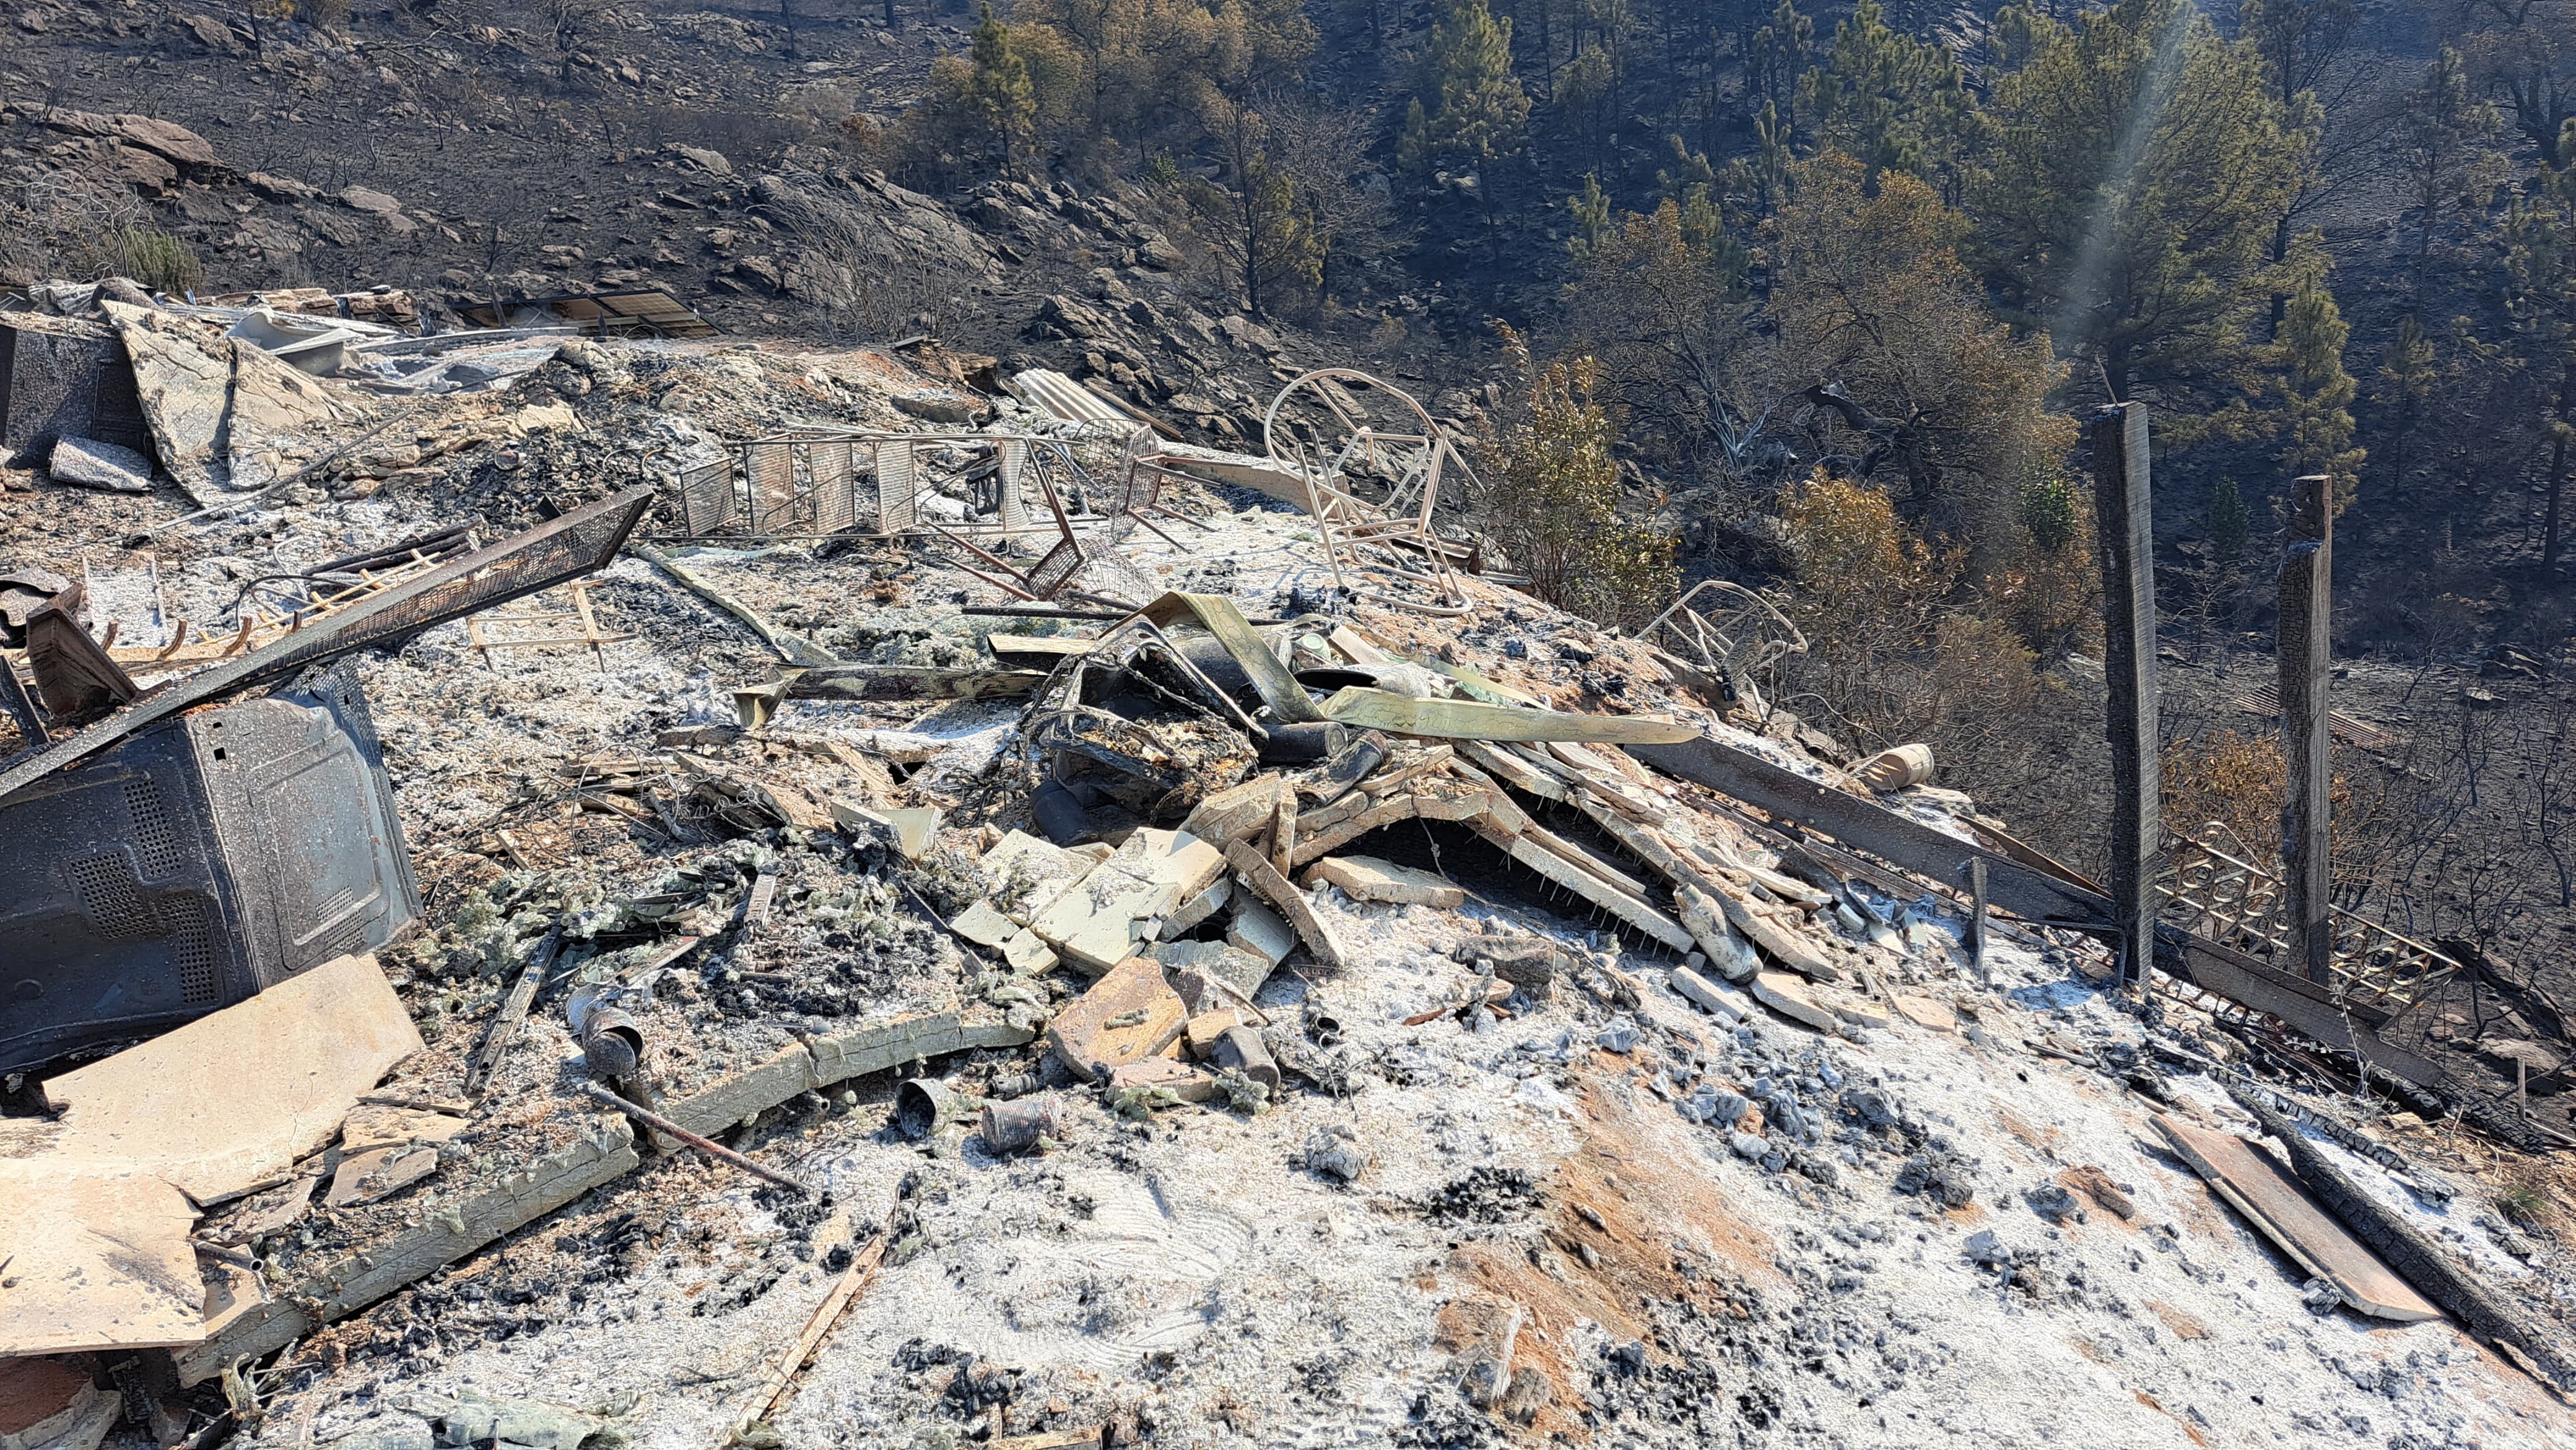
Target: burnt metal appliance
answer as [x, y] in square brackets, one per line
[225, 831]
[200, 861]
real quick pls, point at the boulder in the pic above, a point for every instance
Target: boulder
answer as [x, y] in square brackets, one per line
[165, 138]
[359, 198]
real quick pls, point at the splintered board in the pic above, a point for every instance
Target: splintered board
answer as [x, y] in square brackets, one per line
[2257, 1186]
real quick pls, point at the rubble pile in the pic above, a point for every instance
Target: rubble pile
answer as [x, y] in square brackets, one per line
[845, 1002]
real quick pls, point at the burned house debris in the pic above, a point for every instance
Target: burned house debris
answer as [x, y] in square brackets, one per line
[937, 914]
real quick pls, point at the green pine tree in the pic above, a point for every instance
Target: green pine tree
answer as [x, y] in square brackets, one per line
[2231, 524]
[2406, 380]
[999, 92]
[2127, 198]
[1470, 108]
[1591, 209]
[2317, 393]
[1890, 100]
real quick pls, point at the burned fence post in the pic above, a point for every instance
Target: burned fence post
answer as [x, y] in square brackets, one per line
[2123, 502]
[2305, 650]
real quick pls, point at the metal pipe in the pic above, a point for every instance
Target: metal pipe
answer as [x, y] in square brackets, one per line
[708, 1146]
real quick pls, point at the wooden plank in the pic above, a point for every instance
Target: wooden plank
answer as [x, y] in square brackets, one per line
[1315, 846]
[2124, 517]
[2259, 1187]
[1785, 947]
[1036, 648]
[2304, 655]
[1358, 705]
[774, 1385]
[231, 1101]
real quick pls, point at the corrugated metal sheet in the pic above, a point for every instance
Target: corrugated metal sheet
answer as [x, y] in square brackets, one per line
[1066, 398]
[650, 310]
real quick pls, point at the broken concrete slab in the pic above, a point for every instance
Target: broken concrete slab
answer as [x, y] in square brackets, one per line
[1925, 1012]
[2262, 1189]
[1129, 1015]
[92, 464]
[1368, 878]
[1787, 995]
[182, 1106]
[1725, 1003]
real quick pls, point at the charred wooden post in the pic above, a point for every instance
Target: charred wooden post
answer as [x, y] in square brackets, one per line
[2123, 507]
[2305, 651]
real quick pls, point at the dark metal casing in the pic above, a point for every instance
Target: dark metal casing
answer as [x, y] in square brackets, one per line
[203, 860]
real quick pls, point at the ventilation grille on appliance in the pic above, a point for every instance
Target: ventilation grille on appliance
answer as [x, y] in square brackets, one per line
[109, 893]
[156, 841]
[192, 954]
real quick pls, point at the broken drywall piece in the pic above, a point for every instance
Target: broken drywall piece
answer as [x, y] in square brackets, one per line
[183, 1106]
[98, 1259]
[982, 925]
[1367, 878]
[907, 828]
[1028, 954]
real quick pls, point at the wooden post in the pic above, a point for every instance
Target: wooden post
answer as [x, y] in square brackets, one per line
[2123, 502]
[2305, 652]
[1977, 920]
